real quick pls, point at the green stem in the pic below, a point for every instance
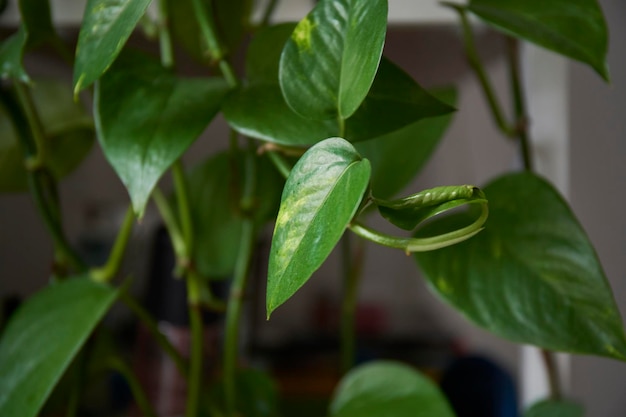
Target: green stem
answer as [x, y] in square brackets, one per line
[352, 268]
[41, 182]
[153, 328]
[165, 38]
[269, 11]
[477, 67]
[204, 17]
[184, 208]
[341, 122]
[279, 162]
[194, 381]
[138, 393]
[233, 314]
[108, 272]
[519, 102]
[29, 110]
[247, 197]
[425, 243]
[178, 242]
[553, 375]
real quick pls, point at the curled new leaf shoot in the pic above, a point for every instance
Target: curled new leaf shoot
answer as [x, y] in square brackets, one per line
[409, 212]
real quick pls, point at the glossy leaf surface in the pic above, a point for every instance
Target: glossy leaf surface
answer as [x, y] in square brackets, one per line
[576, 29]
[68, 133]
[42, 338]
[388, 388]
[218, 220]
[399, 156]
[320, 198]
[329, 62]
[146, 118]
[550, 408]
[531, 276]
[259, 111]
[106, 26]
[257, 394]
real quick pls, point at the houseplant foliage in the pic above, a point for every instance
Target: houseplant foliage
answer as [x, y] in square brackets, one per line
[322, 124]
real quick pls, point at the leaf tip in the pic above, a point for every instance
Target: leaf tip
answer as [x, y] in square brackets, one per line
[78, 86]
[603, 71]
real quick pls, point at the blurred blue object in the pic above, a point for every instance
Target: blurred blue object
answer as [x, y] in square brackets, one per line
[477, 387]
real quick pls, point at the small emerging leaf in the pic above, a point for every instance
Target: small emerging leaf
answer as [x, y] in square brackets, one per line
[407, 213]
[387, 388]
[43, 337]
[329, 63]
[531, 276]
[576, 29]
[321, 196]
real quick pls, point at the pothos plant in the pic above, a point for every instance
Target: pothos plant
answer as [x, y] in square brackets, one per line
[325, 131]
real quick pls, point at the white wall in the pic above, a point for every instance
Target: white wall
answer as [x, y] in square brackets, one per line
[597, 186]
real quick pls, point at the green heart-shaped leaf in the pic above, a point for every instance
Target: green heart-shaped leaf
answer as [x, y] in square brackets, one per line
[394, 101]
[549, 408]
[329, 63]
[217, 218]
[575, 29]
[398, 157]
[320, 198]
[531, 276]
[68, 132]
[106, 26]
[386, 388]
[146, 118]
[43, 337]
